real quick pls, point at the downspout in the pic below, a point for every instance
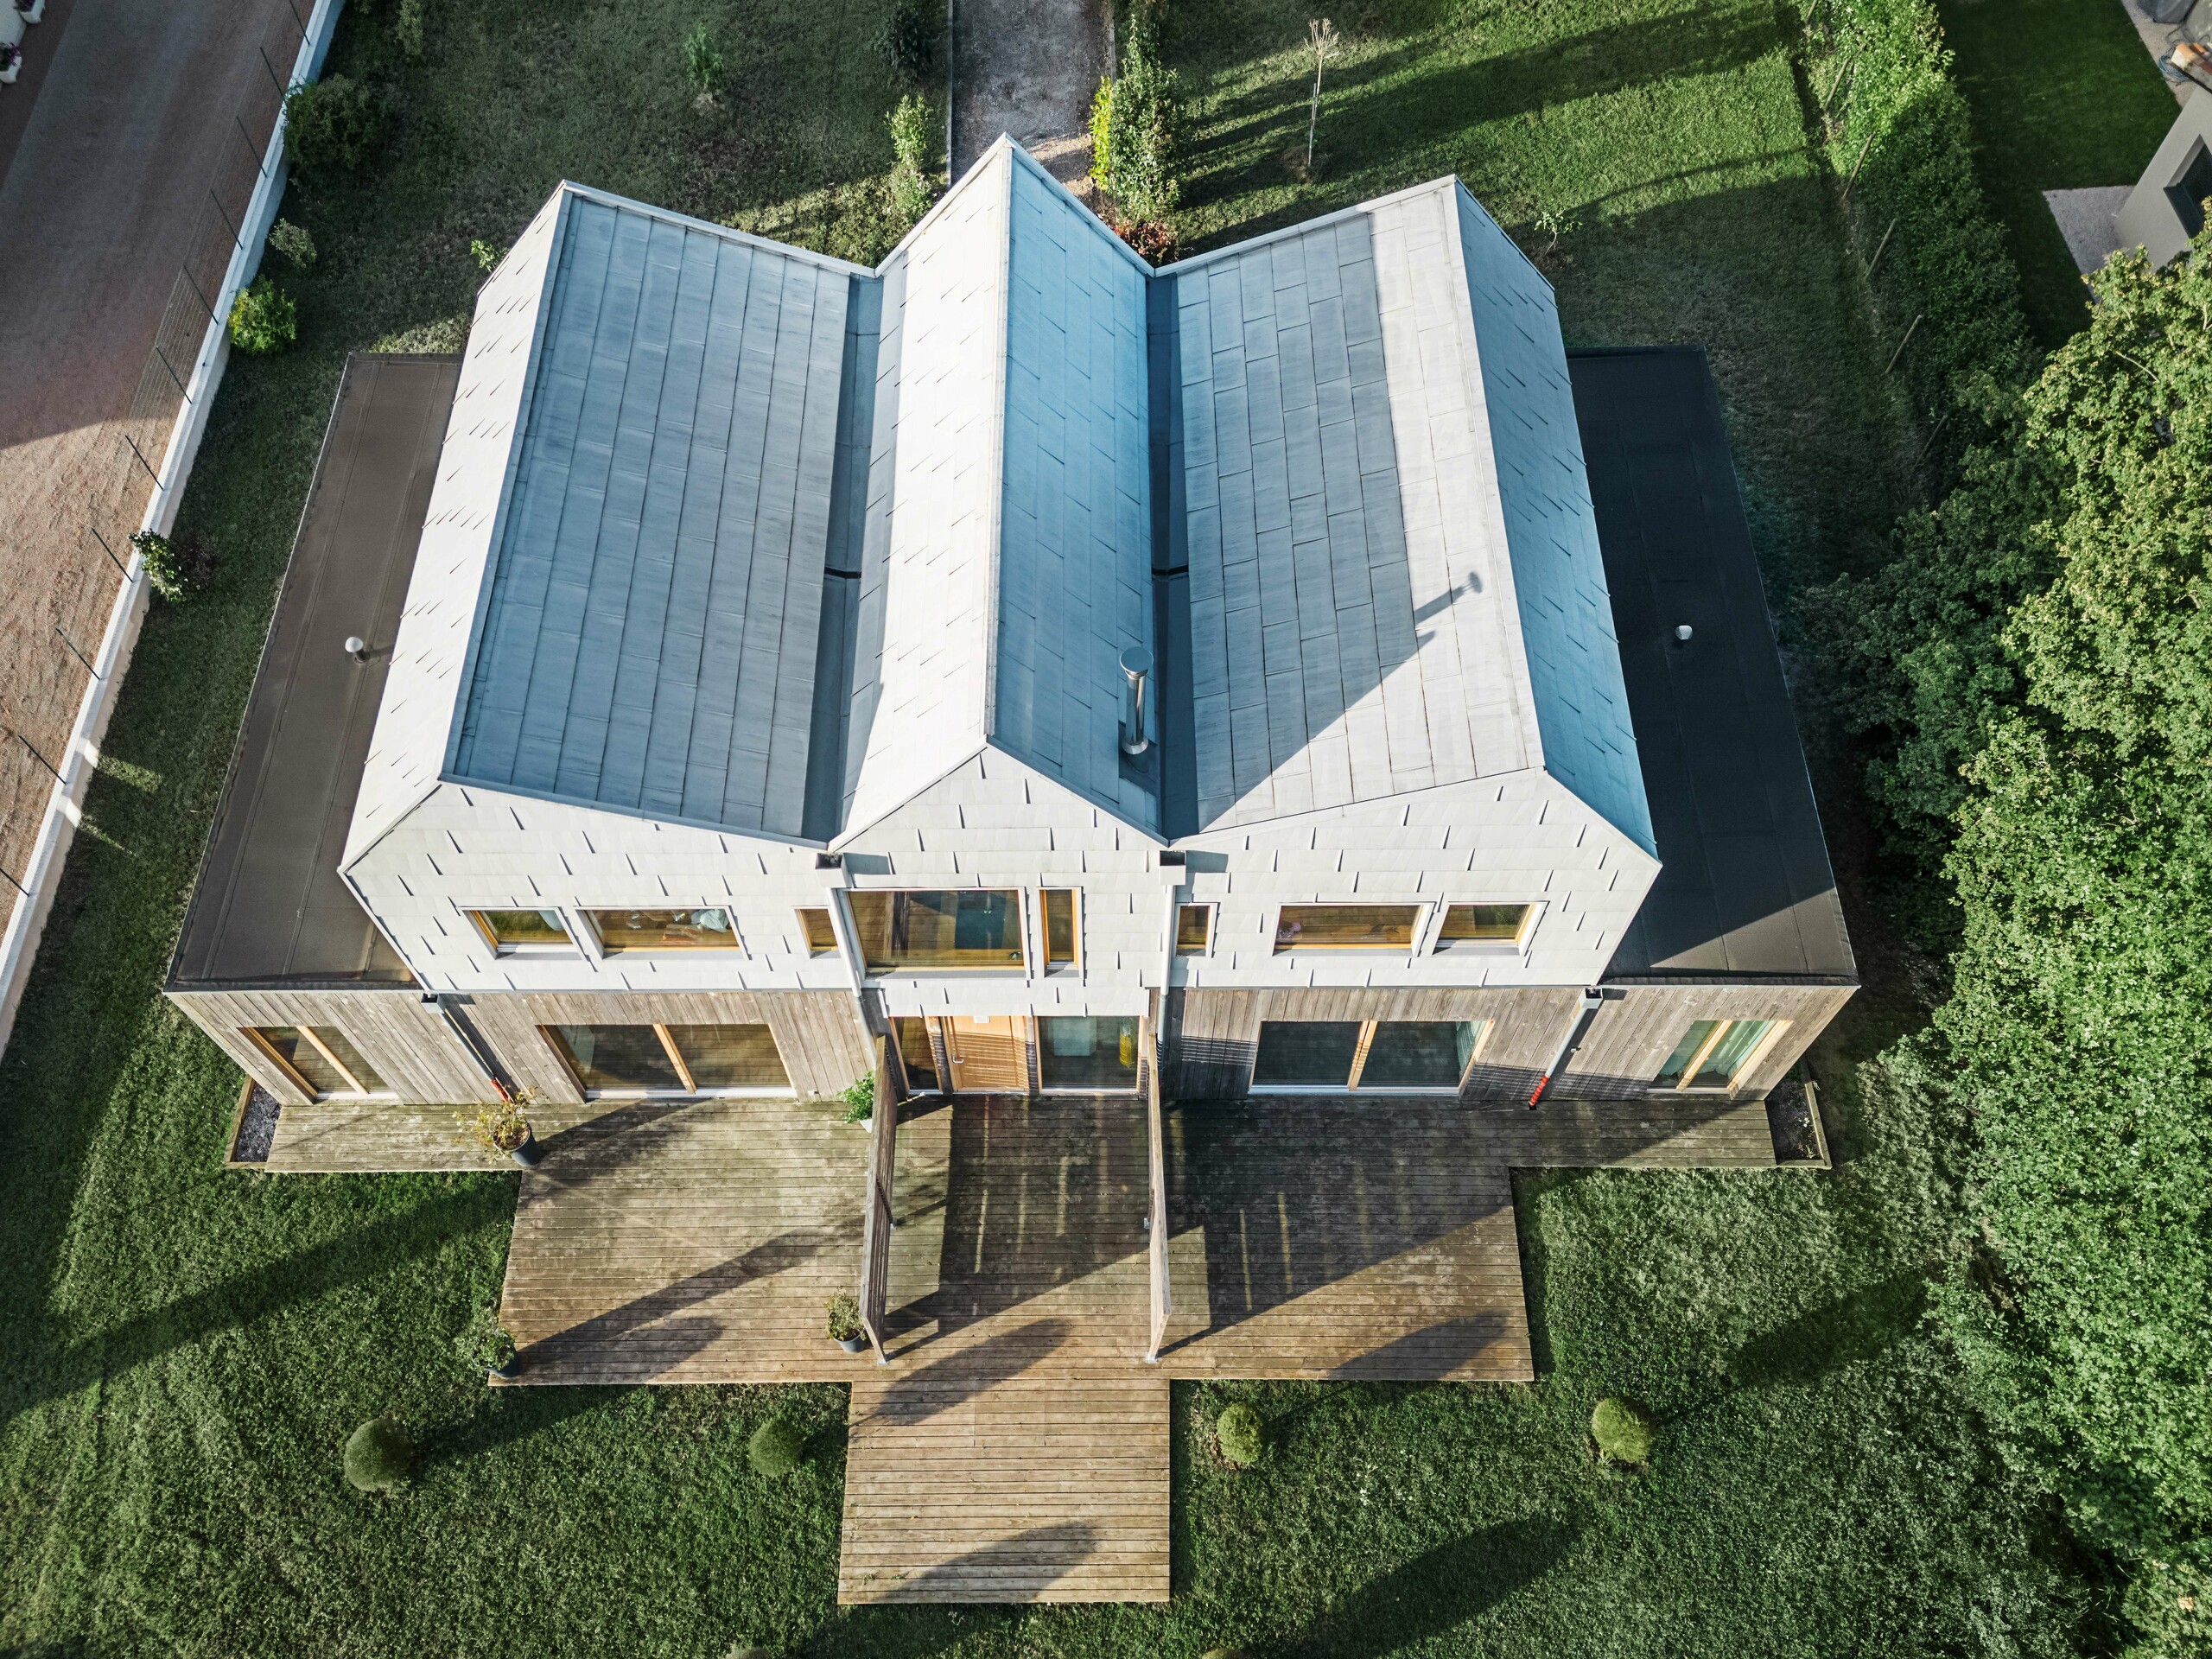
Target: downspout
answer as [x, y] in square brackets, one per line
[1586, 1011]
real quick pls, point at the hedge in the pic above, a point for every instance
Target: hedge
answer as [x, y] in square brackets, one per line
[1898, 121]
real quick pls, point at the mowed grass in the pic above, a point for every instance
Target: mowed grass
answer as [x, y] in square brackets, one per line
[184, 1351]
[2062, 96]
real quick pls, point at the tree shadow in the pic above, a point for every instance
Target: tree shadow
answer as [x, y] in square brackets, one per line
[1863, 1325]
[1441, 1349]
[1439, 1590]
[507, 1416]
[942, 1384]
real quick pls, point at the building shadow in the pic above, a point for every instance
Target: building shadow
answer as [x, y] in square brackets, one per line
[921, 1393]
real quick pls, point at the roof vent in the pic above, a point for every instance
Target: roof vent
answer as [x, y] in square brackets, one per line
[1136, 672]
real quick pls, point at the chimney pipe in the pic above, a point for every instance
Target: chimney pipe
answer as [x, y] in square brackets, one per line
[1136, 671]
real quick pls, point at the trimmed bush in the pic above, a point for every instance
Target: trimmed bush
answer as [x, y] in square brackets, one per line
[1624, 1430]
[293, 242]
[378, 1457]
[263, 319]
[1240, 1435]
[334, 128]
[1134, 139]
[777, 1447]
[909, 41]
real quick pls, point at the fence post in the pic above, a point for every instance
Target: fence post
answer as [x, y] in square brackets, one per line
[876, 1222]
[1156, 1217]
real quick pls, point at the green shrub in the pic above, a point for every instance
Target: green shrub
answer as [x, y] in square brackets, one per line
[1240, 1435]
[263, 319]
[1134, 139]
[859, 1097]
[294, 242]
[486, 256]
[334, 128]
[1624, 1430]
[486, 1343]
[703, 64]
[378, 1457]
[914, 127]
[844, 1316]
[407, 26]
[777, 1447]
[164, 572]
[909, 41]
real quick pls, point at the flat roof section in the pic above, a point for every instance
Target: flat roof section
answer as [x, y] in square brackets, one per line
[1745, 886]
[269, 904]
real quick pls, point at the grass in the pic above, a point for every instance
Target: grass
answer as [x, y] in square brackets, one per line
[2064, 97]
[183, 1351]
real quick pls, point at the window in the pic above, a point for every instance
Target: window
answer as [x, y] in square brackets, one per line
[663, 929]
[1060, 929]
[910, 933]
[1716, 1053]
[2188, 191]
[821, 932]
[1485, 926]
[521, 930]
[1346, 927]
[1423, 1055]
[670, 1060]
[1088, 1053]
[1193, 929]
[918, 1057]
[318, 1059]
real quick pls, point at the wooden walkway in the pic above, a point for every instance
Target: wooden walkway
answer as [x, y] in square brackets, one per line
[1016, 1447]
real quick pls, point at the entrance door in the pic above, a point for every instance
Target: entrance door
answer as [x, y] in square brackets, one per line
[989, 1054]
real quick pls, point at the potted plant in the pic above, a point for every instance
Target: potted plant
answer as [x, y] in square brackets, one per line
[11, 62]
[31, 13]
[504, 1126]
[845, 1323]
[489, 1344]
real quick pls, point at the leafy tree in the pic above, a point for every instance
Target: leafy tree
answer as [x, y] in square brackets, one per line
[2079, 1033]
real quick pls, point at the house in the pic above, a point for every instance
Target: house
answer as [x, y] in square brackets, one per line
[1016, 651]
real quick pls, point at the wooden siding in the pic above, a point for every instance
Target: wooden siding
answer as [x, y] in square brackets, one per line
[818, 1032]
[406, 1039]
[1639, 1025]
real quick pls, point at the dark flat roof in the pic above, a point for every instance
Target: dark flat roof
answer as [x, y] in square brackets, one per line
[1744, 885]
[269, 904]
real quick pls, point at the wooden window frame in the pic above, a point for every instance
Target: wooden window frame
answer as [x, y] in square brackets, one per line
[829, 914]
[691, 1091]
[590, 914]
[1722, 1025]
[1424, 919]
[252, 1034]
[1367, 1029]
[1434, 944]
[475, 914]
[1029, 916]
[1213, 921]
[1046, 961]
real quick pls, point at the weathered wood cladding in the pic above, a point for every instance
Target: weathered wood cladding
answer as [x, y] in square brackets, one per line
[406, 1039]
[1640, 1023]
[1212, 1035]
[818, 1034]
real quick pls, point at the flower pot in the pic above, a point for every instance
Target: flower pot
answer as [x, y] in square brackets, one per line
[511, 1368]
[12, 26]
[7, 75]
[529, 1153]
[852, 1344]
[33, 12]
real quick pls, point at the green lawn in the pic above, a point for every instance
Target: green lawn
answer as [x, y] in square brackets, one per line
[183, 1351]
[2064, 97]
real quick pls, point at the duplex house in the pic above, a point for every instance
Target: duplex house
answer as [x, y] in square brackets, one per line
[739, 652]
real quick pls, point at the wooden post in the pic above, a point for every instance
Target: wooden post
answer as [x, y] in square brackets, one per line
[875, 1224]
[1156, 1222]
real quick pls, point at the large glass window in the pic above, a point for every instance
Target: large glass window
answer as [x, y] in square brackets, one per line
[1716, 1053]
[1193, 929]
[1088, 1052]
[670, 1060]
[521, 930]
[1483, 926]
[1346, 927]
[921, 932]
[1381, 1055]
[319, 1058]
[663, 930]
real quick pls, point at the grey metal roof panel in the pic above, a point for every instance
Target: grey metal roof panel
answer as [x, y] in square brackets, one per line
[654, 608]
[1745, 885]
[269, 904]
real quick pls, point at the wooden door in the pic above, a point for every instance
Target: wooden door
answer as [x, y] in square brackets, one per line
[989, 1054]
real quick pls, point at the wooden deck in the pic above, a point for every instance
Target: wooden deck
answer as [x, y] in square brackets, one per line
[1016, 1448]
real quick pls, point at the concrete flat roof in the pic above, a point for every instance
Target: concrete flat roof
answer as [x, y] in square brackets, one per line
[269, 904]
[1744, 887]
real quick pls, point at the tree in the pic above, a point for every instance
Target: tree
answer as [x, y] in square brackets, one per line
[1322, 36]
[1134, 132]
[2079, 1032]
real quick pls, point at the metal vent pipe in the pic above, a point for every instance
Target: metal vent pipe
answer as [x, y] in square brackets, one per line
[1136, 676]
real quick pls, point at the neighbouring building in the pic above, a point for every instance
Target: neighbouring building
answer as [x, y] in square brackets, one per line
[738, 651]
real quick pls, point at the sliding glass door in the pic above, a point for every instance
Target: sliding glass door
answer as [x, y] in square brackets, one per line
[1380, 1056]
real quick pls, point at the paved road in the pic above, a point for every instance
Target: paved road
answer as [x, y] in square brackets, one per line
[124, 113]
